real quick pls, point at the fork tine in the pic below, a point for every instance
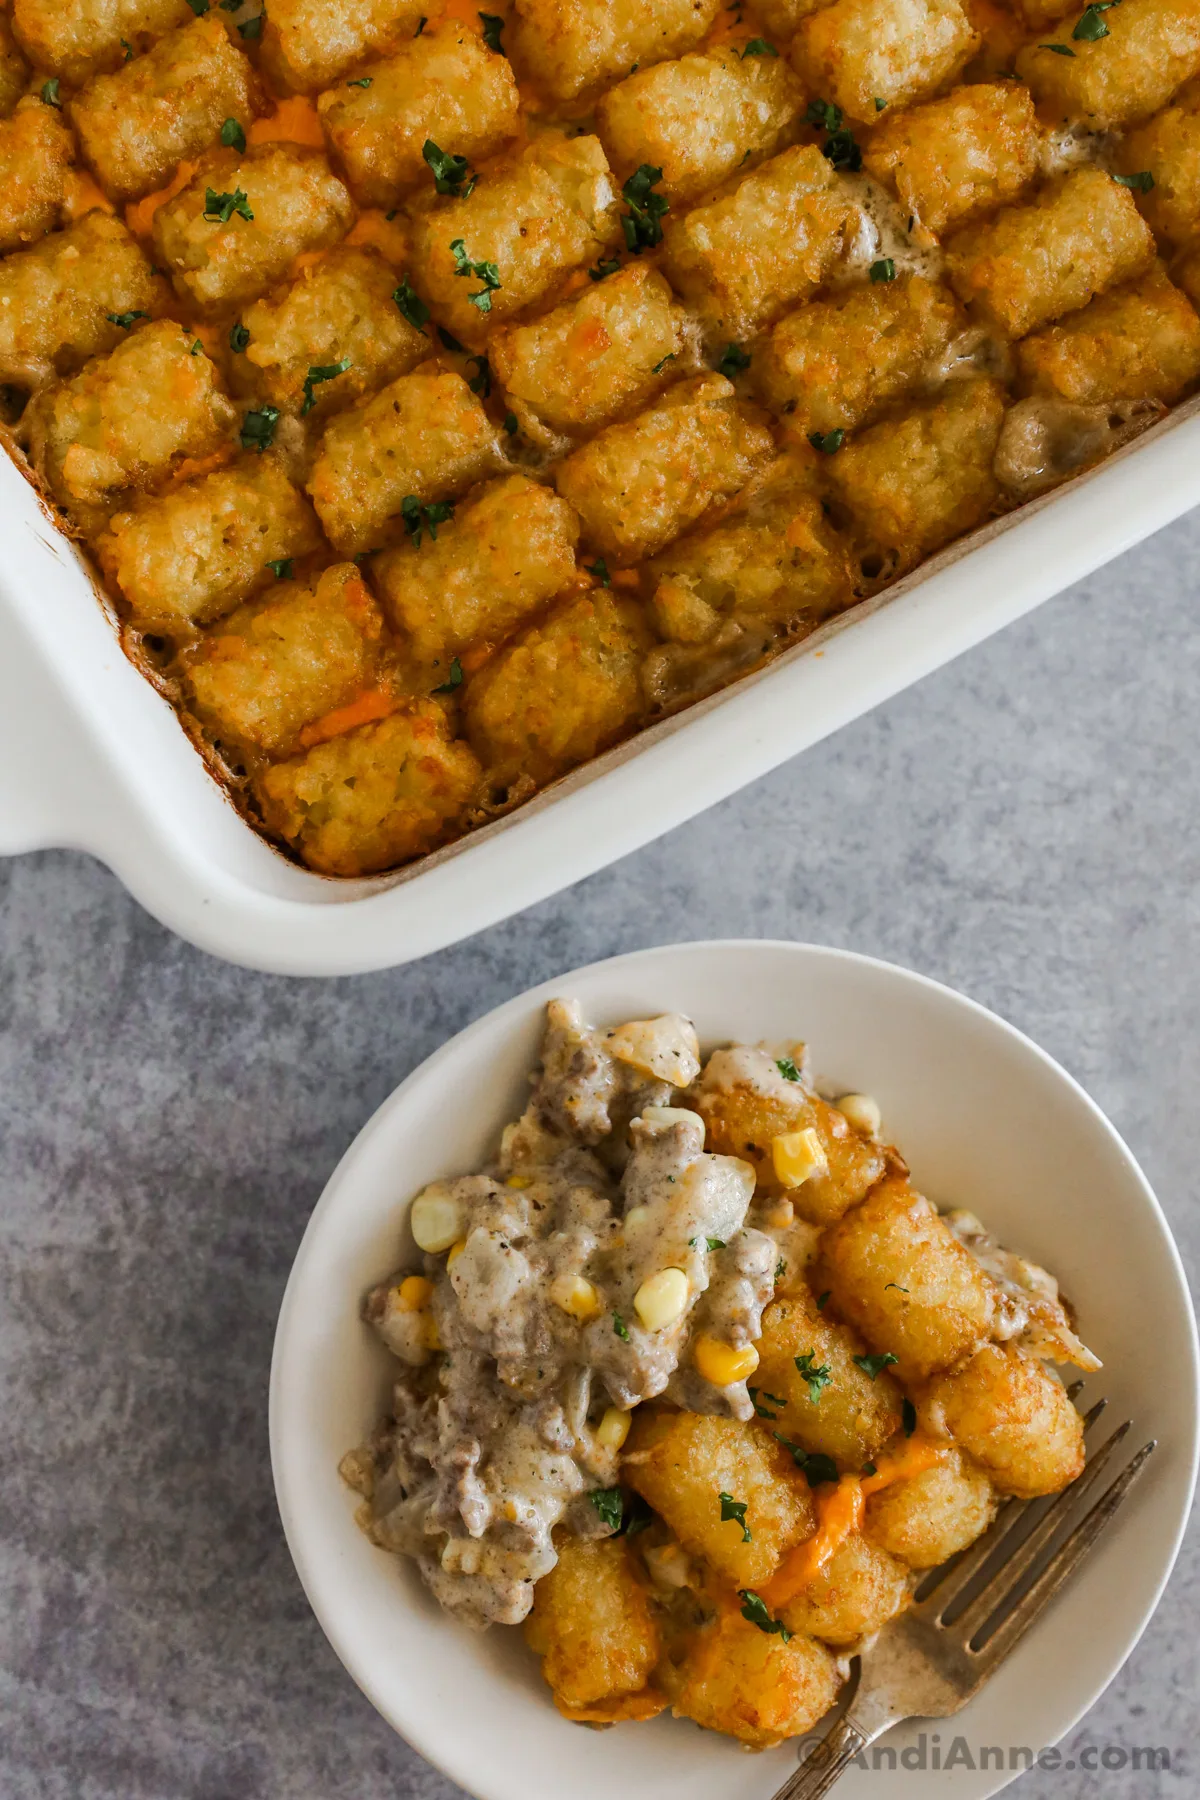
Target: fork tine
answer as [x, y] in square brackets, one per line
[1075, 1389]
[1005, 1578]
[1093, 1412]
[1012, 1629]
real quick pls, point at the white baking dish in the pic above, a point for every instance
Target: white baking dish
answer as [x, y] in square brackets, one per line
[92, 758]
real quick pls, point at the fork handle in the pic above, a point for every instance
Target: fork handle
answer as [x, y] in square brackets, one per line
[840, 1745]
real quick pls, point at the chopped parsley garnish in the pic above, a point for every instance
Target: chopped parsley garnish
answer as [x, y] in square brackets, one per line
[230, 5]
[787, 1068]
[481, 382]
[450, 342]
[609, 1504]
[883, 270]
[823, 114]
[600, 570]
[454, 679]
[642, 224]
[510, 423]
[908, 1416]
[364, 81]
[754, 1608]
[411, 305]
[50, 92]
[232, 136]
[417, 517]
[1058, 49]
[199, 7]
[252, 28]
[620, 1327]
[733, 360]
[875, 1365]
[493, 25]
[220, 208]
[637, 1516]
[816, 1377]
[1141, 183]
[197, 349]
[762, 1411]
[239, 337]
[320, 372]
[735, 1510]
[449, 172]
[841, 149]
[868, 1468]
[759, 47]
[127, 47]
[281, 568]
[658, 367]
[258, 428]
[487, 272]
[780, 1271]
[814, 1465]
[608, 267]
[422, 22]
[125, 320]
[711, 1243]
[896, 1285]
[879, 104]
[828, 442]
[1090, 27]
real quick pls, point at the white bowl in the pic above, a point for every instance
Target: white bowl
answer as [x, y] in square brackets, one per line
[987, 1121]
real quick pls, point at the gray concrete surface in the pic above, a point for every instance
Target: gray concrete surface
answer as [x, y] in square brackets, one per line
[1023, 825]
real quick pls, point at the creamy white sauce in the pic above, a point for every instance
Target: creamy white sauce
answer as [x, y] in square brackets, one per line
[884, 231]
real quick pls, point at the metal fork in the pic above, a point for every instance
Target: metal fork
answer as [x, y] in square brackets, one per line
[969, 1614]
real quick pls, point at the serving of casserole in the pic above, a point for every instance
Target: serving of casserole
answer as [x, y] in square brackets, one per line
[472, 420]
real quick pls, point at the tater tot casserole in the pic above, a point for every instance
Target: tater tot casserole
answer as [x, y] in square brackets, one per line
[443, 396]
[693, 1384]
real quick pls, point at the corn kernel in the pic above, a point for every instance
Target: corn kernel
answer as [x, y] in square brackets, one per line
[797, 1155]
[414, 1293]
[431, 1337]
[519, 1181]
[863, 1113]
[437, 1219]
[636, 1216]
[779, 1216]
[576, 1296]
[721, 1363]
[661, 1299]
[455, 1252]
[613, 1428]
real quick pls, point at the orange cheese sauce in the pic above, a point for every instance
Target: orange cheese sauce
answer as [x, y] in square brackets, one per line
[84, 196]
[376, 703]
[139, 214]
[294, 121]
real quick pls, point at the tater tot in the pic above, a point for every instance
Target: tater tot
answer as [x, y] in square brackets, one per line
[1150, 49]
[445, 86]
[770, 241]
[561, 692]
[749, 1684]
[372, 798]
[186, 557]
[137, 123]
[960, 156]
[242, 219]
[507, 550]
[1032, 263]
[638, 485]
[547, 210]
[681, 1463]
[299, 652]
[1168, 150]
[569, 47]
[912, 484]
[898, 51]
[126, 420]
[897, 1272]
[592, 1626]
[602, 353]
[840, 361]
[928, 1518]
[831, 1404]
[860, 1588]
[1012, 1415]
[76, 38]
[1186, 271]
[338, 309]
[306, 44]
[36, 154]
[700, 118]
[784, 17]
[424, 436]
[746, 1103]
[14, 70]
[59, 300]
[1140, 342]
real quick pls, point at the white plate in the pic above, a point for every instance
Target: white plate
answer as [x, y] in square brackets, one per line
[91, 757]
[987, 1121]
